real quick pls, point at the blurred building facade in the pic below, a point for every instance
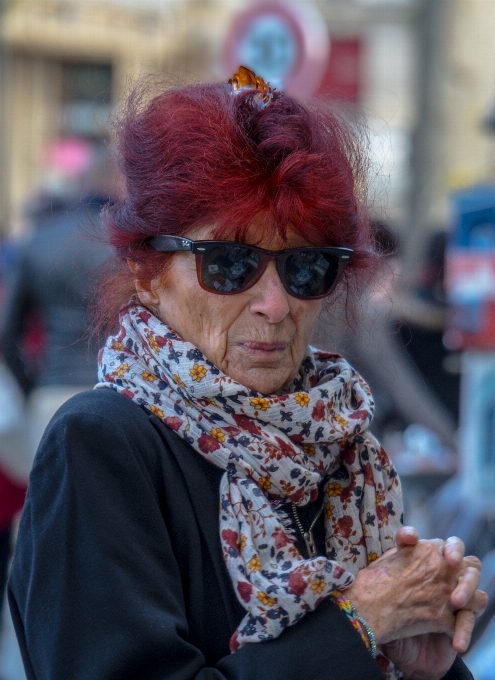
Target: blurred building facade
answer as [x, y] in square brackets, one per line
[66, 62]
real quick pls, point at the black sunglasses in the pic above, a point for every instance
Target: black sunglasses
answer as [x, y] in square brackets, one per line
[227, 267]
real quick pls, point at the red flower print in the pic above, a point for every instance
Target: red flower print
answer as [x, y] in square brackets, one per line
[285, 448]
[384, 663]
[338, 571]
[359, 415]
[313, 380]
[322, 356]
[128, 393]
[109, 378]
[345, 525]
[297, 583]
[207, 443]
[144, 316]
[160, 340]
[382, 512]
[272, 452]
[245, 589]
[280, 538]
[233, 431]
[298, 496]
[247, 424]
[348, 454]
[173, 422]
[383, 457]
[347, 492]
[122, 333]
[287, 487]
[231, 538]
[234, 644]
[314, 495]
[368, 474]
[296, 438]
[319, 411]
[320, 468]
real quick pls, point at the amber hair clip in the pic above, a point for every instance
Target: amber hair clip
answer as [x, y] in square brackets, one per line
[245, 79]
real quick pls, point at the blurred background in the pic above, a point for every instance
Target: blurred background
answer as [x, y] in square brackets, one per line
[421, 73]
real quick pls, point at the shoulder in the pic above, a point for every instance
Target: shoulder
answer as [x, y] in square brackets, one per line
[104, 403]
[103, 409]
[102, 425]
[101, 434]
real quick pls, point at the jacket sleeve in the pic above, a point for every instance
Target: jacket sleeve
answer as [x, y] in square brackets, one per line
[95, 589]
[459, 671]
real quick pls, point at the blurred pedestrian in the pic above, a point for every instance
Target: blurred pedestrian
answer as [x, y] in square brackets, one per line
[373, 346]
[423, 317]
[51, 284]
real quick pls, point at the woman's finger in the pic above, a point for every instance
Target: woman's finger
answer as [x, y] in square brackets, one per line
[463, 630]
[454, 551]
[467, 582]
[406, 536]
[472, 561]
[465, 619]
[477, 603]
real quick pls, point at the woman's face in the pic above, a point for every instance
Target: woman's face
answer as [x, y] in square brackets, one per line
[257, 337]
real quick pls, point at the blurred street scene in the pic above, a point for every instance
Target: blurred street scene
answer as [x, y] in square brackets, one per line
[416, 76]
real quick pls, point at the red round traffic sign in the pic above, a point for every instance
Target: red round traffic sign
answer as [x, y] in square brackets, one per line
[285, 43]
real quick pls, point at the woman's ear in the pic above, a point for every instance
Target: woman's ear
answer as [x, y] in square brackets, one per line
[146, 290]
[147, 293]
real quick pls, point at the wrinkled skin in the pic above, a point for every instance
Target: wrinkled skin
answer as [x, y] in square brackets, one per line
[421, 601]
[257, 337]
[421, 598]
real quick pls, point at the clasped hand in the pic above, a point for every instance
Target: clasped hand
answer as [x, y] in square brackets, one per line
[421, 600]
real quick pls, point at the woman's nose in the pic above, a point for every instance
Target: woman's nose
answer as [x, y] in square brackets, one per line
[269, 296]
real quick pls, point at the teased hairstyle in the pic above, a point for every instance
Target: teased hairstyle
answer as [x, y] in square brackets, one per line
[198, 155]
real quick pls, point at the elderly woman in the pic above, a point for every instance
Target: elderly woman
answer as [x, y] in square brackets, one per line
[222, 511]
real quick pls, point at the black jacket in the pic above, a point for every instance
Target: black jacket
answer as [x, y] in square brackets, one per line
[118, 571]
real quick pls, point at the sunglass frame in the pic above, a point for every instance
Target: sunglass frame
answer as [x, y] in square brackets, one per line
[170, 244]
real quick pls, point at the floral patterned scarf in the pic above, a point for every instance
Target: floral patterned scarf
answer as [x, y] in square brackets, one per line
[274, 449]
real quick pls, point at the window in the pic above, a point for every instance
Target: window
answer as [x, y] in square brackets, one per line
[86, 99]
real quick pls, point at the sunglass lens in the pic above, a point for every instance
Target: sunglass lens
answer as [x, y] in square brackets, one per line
[311, 273]
[227, 269]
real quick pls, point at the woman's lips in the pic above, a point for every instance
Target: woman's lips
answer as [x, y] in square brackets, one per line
[265, 347]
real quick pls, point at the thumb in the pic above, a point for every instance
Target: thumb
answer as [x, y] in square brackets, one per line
[406, 536]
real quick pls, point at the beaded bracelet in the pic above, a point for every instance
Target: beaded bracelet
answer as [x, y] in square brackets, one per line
[367, 635]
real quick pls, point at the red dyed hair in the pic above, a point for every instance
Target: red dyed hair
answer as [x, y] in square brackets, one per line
[199, 155]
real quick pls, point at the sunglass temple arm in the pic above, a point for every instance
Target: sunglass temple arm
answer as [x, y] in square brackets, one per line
[169, 244]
